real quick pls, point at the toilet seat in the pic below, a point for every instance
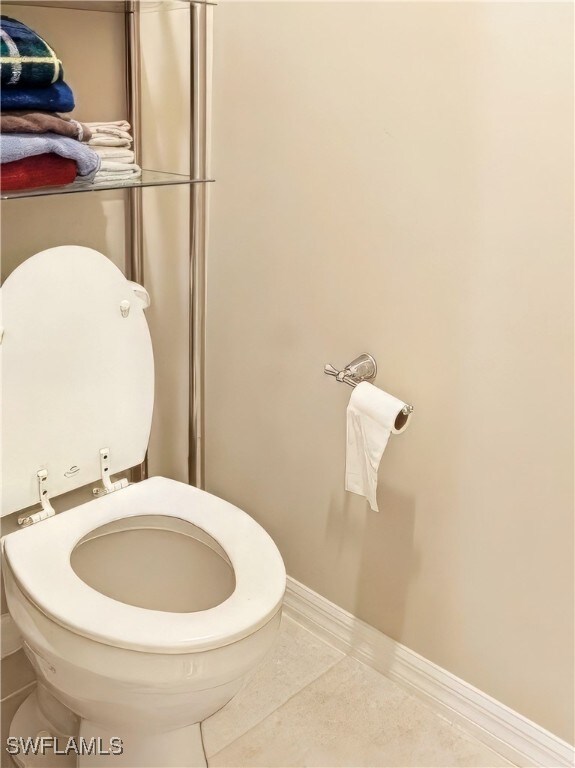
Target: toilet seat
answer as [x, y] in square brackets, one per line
[39, 558]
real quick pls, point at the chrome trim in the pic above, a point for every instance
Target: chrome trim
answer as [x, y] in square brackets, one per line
[198, 170]
[134, 235]
[135, 256]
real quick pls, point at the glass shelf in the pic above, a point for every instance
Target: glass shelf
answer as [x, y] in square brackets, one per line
[110, 6]
[147, 179]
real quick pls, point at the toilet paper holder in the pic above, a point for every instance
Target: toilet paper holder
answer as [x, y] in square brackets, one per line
[363, 368]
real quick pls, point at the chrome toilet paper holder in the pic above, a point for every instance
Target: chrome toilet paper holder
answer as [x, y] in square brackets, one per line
[363, 368]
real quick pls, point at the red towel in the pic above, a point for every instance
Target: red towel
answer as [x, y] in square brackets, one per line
[49, 170]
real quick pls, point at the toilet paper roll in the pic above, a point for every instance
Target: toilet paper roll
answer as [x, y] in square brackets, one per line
[383, 408]
[372, 416]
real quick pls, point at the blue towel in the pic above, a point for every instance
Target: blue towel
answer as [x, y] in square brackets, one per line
[16, 146]
[57, 97]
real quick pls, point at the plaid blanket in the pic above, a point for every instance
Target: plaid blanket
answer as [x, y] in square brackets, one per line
[26, 59]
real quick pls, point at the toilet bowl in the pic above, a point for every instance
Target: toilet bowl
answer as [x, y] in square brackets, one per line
[144, 610]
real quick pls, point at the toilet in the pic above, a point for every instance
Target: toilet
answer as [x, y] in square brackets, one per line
[145, 609]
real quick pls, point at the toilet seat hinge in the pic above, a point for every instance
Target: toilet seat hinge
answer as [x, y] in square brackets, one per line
[109, 486]
[47, 509]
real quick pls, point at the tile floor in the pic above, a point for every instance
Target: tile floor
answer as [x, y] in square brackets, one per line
[310, 705]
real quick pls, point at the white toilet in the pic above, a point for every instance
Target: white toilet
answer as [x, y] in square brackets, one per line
[144, 610]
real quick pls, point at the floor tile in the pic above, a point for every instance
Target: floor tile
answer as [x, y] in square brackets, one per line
[298, 659]
[352, 716]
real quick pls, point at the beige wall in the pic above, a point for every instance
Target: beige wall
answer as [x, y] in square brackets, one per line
[397, 178]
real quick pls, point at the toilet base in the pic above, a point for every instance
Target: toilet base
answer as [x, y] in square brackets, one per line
[29, 722]
[182, 748]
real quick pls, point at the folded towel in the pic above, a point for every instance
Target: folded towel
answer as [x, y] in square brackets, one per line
[25, 58]
[16, 146]
[43, 122]
[113, 127]
[115, 154]
[129, 174]
[47, 170]
[113, 134]
[57, 97]
[112, 167]
[101, 140]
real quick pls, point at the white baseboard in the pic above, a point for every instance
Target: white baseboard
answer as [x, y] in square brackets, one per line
[510, 734]
[10, 637]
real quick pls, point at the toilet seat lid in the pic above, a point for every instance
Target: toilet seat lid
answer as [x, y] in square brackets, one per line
[77, 376]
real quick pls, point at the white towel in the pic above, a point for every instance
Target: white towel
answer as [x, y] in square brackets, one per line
[113, 126]
[111, 134]
[111, 166]
[114, 132]
[123, 175]
[372, 415]
[115, 154]
[103, 140]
